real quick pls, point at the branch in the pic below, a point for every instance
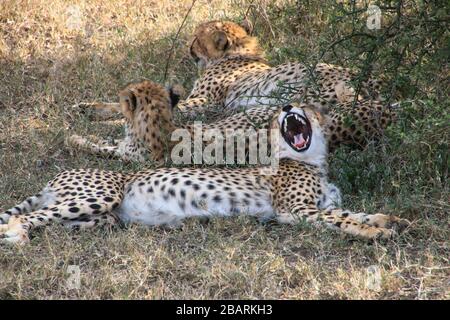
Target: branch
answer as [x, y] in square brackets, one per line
[166, 69]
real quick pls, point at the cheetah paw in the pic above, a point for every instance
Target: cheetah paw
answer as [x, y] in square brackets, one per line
[75, 140]
[370, 232]
[398, 224]
[373, 233]
[385, 234]
[389, 222]
[11, 237]
[17, 240]
[13, 233]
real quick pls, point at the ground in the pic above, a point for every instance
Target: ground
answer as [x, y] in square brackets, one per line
[52, 57]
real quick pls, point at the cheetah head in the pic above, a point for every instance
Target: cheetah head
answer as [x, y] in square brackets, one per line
[147, 107]
[301, 130]
[141, 96]
[216, 39]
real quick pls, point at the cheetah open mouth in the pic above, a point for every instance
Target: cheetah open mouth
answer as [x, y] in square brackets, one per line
[296, 131]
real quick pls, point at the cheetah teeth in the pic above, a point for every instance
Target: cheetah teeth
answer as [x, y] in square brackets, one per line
[296, 116]
[300, 119]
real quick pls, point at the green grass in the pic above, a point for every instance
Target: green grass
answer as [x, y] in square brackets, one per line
[46, 67]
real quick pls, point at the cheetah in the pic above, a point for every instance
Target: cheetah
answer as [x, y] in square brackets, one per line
[144, 105]
[149, 124]
[236, 76]
[298, 189]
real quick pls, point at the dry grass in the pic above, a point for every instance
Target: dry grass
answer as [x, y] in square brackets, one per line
[49, 61]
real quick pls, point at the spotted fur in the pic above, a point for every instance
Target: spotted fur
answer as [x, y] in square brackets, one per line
[147, 108]
[236, 75]
[149, 126]
[297, 190]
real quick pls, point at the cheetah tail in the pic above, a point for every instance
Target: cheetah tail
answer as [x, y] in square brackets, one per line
[28, 205]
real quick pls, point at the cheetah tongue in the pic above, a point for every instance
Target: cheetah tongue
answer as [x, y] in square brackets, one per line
[299, 141]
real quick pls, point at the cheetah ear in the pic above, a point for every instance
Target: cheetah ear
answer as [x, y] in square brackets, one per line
[321, 113]
[128, 102]
[247, 25]
[322, 110]
[287, 108]
[221, 41]
[321, 117]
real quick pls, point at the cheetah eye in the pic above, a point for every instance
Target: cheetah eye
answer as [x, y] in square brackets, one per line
[287, 108]
[133, 101]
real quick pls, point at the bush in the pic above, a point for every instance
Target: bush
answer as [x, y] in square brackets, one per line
[410, 53]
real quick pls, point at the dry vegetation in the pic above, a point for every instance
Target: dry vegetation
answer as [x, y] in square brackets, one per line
[54, 54]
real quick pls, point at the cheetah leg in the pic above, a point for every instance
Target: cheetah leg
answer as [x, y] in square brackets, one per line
[30, 204]
[18, 227]
[338, 220]
[97, 140]
[376, 220]
[112, 122]
[90, 222]
[100, 147]
[102, 110]
[124, 149]
[357, 125]
[192, 107]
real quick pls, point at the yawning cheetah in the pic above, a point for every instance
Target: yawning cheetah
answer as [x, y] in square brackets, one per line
[297, 189]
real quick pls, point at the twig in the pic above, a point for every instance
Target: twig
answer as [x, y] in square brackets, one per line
[246, 18]
[166, 69]
[265, 16]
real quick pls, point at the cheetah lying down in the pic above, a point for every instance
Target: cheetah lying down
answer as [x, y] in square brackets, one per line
[147, 109]
[237, 77]
[298, 189]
